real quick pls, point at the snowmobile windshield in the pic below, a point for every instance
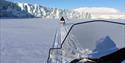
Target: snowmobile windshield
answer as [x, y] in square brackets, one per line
[95, 38]
[92, 39]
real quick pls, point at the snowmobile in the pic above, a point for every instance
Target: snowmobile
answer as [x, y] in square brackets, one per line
[94, 41]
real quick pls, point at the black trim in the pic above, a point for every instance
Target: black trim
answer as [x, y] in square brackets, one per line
[78, 24]
[115, 57]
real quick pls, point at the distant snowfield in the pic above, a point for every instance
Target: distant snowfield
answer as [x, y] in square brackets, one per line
[26, 40]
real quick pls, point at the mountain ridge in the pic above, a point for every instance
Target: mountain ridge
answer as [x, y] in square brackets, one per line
[79, 13]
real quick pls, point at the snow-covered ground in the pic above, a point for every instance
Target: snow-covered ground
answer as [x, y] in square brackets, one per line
[26, 40]
[29, 40]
